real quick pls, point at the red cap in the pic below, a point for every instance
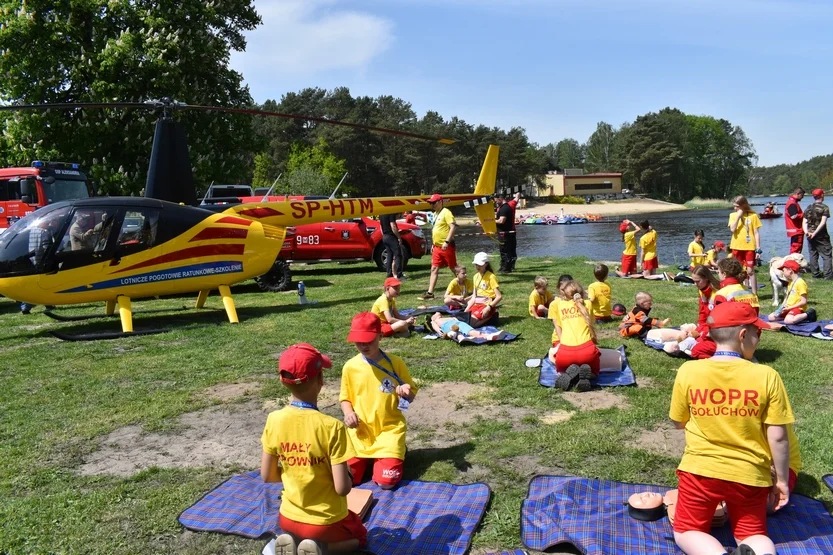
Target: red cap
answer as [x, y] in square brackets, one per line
[818, 193]
[435, 198]
[734, 313]
[392, 282]
[791, 264]
[364, 328]
[719, 244]
[623, 227]
[300, 362]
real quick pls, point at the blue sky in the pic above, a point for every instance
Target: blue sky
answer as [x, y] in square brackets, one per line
[558, 67]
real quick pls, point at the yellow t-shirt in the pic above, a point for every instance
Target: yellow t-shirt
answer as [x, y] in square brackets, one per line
[798, 289]
[648, 244]
[630, 243]
[308, 444]
[442, 225]
[381, 431]
[738, 293]
[711, 257]
[743, 238]
[599, 295]
[485, 285]
[696, 249]
[574, 330]
[454, 288]
[725, 405]
[382, 304]
[535, 299]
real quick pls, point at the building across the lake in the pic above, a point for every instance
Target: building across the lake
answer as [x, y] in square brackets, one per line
[577, 183]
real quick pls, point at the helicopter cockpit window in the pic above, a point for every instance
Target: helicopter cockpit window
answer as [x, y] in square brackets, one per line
[27, 243]
[139, 228]
[89, 231]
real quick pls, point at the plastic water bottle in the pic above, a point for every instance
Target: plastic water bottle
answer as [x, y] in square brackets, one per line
[302, 293]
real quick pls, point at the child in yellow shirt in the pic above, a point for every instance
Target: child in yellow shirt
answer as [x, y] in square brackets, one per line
[309, 452]
[460, 289]
[540, 298]
[376, 389]
[387, 312]
[794, 308]
[598, 293]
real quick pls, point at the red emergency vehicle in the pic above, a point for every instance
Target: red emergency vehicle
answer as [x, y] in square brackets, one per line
[23, 190]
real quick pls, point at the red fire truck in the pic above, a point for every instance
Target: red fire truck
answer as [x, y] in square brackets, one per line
[23, 190]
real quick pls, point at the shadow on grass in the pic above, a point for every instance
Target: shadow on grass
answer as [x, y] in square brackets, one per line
[808, 485]
[420, 460]
[766, 356]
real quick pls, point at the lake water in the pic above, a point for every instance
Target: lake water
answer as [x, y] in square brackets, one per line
[602, 241]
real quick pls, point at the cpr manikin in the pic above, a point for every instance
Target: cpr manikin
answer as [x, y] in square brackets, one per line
[646, 505]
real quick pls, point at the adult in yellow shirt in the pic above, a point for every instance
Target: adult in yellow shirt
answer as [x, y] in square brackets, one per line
[735, 414]
[444, 251]
[696, 251]
[375, 390]
[746, 238]
[313, 450]
[598, 293]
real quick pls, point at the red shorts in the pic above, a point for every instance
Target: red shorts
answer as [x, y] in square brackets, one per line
[387, 330]
[477, 311]
[628, 264]
[699, 497]
[442, 258]
[746, 258]
[348, 528]
[796, 243]
[794, 311]
[386, 472]
[541, 312]
[650, 264]
[792, 480]
[586, 353]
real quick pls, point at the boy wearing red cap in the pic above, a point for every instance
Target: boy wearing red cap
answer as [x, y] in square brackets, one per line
[444, 252]
[385, 309]
[818, 239]
[794, 308]
[308, 451]
[735, 414]
[376, 389]
[711, 254]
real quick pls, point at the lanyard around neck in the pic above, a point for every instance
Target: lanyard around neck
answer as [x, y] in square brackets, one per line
[378, 366]
[727, 354]
[303, 405]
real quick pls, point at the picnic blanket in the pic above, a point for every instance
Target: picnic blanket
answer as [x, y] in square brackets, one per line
[416, 517]
[504, 337]
[804, 329]
[443, 309]
[608, 377]
[658, 345]
[592, 515]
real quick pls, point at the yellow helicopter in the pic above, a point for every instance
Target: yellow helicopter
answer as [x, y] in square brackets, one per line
[115, 249]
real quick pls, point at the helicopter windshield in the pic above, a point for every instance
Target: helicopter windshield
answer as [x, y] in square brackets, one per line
[64, 189]
[26, 244]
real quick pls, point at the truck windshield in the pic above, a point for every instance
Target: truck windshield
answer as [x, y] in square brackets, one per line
[64, 189]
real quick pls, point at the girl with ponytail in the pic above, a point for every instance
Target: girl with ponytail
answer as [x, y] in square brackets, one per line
[577, 359]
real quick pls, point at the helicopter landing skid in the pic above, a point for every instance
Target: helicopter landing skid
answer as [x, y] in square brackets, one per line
[61, 318]
[104, 335]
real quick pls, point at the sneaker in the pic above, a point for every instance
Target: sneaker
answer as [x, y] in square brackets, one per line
[585, 374]
[568, 379]
[427, 296]
[310, 547]
[284, 545]
[403, 277]
[744, 549]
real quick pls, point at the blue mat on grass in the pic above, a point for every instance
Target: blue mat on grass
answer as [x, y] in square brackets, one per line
[505, 338]
[592, 515]
[607, 378]
[658, 345]
[803, 329]
[417, 517]
[443, 309]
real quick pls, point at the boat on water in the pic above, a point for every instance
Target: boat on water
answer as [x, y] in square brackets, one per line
[770, 215]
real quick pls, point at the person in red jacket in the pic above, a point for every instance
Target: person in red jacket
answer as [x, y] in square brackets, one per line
[707, 286]
[794, 220]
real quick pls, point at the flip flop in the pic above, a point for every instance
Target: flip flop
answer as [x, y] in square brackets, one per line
[533, 362]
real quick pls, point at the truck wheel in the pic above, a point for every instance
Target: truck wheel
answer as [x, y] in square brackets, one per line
[380, 256]
[279, 278]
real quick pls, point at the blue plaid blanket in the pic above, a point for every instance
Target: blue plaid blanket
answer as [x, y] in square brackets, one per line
[658, 345]
[506, 337]
[422, 518]
[443, 309]
[592, 516]
[804, 329]
[624, 376]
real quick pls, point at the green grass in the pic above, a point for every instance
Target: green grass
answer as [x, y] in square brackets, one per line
[60, 399]
[698, 203]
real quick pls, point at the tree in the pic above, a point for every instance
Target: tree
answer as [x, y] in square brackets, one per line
[783, 185]
[103, 51]
[568, 154]
[809, 180]
[313, 170]
[599, 149]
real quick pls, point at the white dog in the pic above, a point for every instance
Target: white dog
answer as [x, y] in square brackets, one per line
[779, 284]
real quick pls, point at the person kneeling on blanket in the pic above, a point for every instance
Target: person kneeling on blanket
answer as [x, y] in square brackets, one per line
[735, 414]
[308, 451]
[454, 329]
[577, 356]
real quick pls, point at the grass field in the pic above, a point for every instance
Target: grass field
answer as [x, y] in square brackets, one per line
[102, 444]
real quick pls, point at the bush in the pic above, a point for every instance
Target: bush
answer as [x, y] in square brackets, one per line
[708, 203]
[567, 199]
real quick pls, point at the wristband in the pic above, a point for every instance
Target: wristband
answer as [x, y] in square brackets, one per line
[758, 251]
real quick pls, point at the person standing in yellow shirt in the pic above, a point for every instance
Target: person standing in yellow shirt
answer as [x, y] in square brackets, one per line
[735, 414]
[313, 450]
[628, 230]
[598, 293]
[746, 238]
[376, 389]
[648, 246]
[444, 251]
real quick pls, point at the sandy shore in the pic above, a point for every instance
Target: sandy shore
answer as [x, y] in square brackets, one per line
[606, 209]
